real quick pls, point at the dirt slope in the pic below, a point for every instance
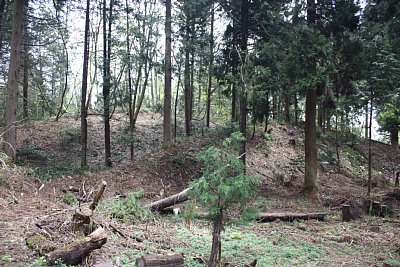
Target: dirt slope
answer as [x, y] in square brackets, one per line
[48, 164]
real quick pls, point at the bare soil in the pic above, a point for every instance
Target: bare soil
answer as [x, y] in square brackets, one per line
[32, 191]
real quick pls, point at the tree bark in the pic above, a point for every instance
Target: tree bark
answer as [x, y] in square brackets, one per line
[25, 83]
[169, 201]
[215, 256]
[394, 141]
[290, 216]
[186, 78]
[172, 260]
[107, 80]
[167, 133]
[310, 177]
[76, 252]
[10, 135]
[210, 68]
[243, 94]
[84, 89]
[287, 107]
[131, 110]
[370, 144]
[2, 22]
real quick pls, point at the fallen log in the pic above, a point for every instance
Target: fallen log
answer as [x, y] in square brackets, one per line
[171, 260]
[161, 204]
[77, 251]
[290, 216]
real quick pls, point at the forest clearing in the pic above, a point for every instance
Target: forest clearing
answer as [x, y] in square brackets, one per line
[39, 191]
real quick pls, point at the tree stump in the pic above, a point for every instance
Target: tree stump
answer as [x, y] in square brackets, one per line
[346, 213]
[376, 209]
[171, 260]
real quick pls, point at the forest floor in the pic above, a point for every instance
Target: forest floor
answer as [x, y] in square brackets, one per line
[38, 190]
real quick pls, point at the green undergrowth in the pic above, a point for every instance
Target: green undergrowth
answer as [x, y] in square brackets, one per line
[127, 210]
[242, 247]
[298, 243]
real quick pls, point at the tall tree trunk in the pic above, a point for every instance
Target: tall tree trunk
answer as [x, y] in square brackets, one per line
[61, 110]
[287, 106]
[25, 83]
[187, 92]
[84, 89]
[107, 80]
[131, 110]
[366, 122]
[274, 106]
[10, 135]
[243, 94]
[234, 115]
[296, 110]
[167, 134]
[267, 114]
[2, 22]
[370, 143]
[176, 100]
[310, 177]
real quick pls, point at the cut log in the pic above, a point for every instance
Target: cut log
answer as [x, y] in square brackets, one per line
[290, 216]
[76, 252]
[99, 193]
[169, 201]
[171, 260]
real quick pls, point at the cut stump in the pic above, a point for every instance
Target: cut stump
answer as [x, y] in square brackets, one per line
[346, 214]
[171, 260]
[291, 216]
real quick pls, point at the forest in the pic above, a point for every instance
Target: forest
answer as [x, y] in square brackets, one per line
[199, 133]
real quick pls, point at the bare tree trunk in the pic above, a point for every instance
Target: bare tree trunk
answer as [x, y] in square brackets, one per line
[287, 106]
[310, 177]
[370, 144]
[2, 22]
[167, 134]
[176, 100]
[84, 89]
[61, 110]
[107, 80]
[131, 110]
[187, 93]
[366, 122]
[210, 67]
[243, 94]
[25, 83]
[215, 256]
[296, 110]
[10, 135]
[234, 116]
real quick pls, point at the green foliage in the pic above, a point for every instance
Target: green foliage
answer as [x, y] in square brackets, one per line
[128, 210]
[69, 199]
[389, 116]
[223, 183]
[41, 261]
[242, 247]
